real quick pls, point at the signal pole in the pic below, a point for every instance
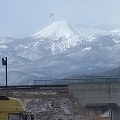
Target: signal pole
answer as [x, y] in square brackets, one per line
[4, 62]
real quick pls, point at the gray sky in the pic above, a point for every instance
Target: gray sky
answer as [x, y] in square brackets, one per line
[21, 18]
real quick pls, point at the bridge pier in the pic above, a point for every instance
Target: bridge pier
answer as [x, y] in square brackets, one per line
[115, 115]
[113, 108]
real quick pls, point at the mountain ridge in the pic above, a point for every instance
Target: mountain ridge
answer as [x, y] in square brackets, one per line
[60, 56]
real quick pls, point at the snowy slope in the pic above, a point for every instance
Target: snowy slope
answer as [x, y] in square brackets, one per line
[64, 29]
[63, 35]
[59, 50]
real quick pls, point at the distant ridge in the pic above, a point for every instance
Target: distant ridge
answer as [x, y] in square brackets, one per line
[60, 50]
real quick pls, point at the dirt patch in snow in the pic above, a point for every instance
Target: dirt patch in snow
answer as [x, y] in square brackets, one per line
[50, 105]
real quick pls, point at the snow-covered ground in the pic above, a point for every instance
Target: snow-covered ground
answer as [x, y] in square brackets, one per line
[52, 105]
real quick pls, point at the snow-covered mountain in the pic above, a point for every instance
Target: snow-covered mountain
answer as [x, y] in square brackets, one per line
[64, 29]
[59, 50]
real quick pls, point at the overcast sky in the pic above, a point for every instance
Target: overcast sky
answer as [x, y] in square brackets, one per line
[21, 18]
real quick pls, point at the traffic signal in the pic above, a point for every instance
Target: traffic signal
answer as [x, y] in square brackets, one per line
[4, 62]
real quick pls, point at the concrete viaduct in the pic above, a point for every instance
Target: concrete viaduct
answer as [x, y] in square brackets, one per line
[98, 92]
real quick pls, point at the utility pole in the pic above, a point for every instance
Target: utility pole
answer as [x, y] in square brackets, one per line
[4, 62]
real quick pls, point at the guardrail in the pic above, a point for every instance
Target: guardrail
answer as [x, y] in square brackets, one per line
[62, 83]
[57, 81]
[34, 87]
[87, 79]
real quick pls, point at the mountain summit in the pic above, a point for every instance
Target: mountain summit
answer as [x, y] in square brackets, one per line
[62, 35]
[64, 29]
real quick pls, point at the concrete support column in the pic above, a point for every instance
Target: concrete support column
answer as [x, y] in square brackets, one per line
[115, 115]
